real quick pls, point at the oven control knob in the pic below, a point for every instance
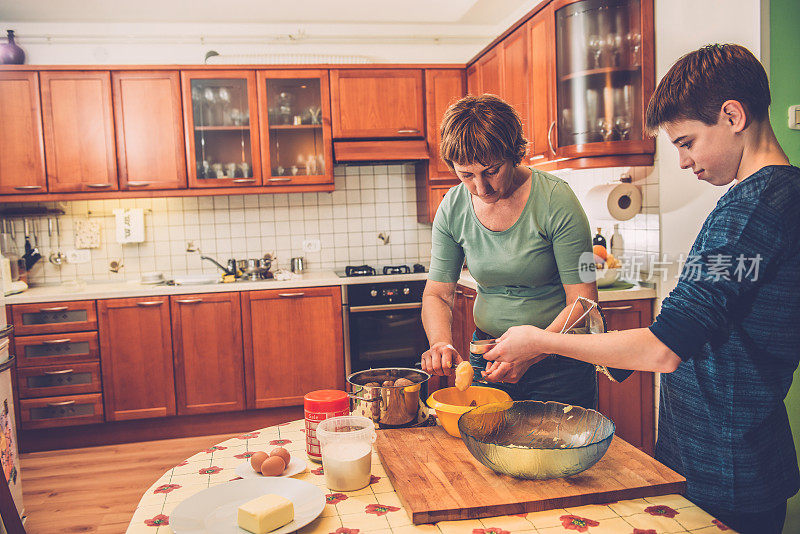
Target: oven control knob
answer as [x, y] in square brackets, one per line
[373, 293]
[406, 291]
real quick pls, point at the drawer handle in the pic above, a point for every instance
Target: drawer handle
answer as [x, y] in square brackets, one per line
[55, 309]
[64, 403]
[290, 295]
[150, 303]
[407, 130]
[279, 180]
[468, 296]
[56, 341]
[617, 308]
[27, 187]
[98, 186]
[459, 292]
[62, 372]
[140, 183]
[189, 301]
[244, 180]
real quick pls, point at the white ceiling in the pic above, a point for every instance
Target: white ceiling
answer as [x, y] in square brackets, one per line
[441, 12]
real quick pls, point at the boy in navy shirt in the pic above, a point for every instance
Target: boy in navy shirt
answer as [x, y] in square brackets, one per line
[727, 339]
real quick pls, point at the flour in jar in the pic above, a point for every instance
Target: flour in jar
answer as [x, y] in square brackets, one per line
[347, 465]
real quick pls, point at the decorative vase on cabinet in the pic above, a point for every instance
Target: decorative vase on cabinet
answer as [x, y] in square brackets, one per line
[10, 52]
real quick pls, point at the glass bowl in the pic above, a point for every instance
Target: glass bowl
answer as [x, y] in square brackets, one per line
[536, 440]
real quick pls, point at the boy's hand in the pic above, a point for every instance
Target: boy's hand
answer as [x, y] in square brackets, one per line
[441, 359]
[519, 348]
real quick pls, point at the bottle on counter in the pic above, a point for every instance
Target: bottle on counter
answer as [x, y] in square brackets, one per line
[617, 245]
[599, 239]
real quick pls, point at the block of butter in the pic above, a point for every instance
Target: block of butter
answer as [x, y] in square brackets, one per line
[266, 513]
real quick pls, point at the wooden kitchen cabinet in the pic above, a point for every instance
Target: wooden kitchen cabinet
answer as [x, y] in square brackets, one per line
[21, 143]
[293, 344]
[490, 73]
[541, 36]
[631, 403]
[377, 103]
[54, 317]
[516, 79]
[149, 125]
[136, 358]
[207, 345]
[80, 151]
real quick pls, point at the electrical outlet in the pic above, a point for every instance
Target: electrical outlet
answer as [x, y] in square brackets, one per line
[311, 245]
[81, 255]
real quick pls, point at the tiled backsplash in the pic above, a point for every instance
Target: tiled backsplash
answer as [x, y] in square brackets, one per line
[368, 200]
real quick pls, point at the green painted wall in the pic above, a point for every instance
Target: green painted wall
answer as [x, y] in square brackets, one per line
[784, 42]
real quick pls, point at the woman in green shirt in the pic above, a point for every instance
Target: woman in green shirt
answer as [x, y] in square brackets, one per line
[522, 232]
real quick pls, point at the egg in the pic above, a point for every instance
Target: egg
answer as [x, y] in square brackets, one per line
[273, 466]
[403, 382]
[464, 375]
[283, 453]
[257, 459]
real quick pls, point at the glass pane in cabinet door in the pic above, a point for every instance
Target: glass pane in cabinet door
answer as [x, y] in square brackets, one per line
[221, 114]
[599, 72]
[296, 145]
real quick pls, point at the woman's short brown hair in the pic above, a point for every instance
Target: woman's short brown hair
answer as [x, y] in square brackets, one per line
[481, 129]
[699, 83]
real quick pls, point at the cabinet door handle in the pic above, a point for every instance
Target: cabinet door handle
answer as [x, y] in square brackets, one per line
[64, 403]
[150, 303]
[56, 309]
[407, 130]
[244, 180]
[468, 296]
[62, 372]
[139, 184]
[534, 158]
[289, 295]
[27, 187]
[98, 186]
[550, 137]
[279, 180]
[459, 292]
[189, 301]
[56, 341]
[617, 308]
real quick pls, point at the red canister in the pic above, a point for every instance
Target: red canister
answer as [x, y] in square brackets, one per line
[320, 405]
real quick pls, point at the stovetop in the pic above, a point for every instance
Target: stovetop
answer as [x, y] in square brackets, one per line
[368, 270]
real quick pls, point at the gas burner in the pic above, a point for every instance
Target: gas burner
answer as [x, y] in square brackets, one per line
[360, 270]
[396, 269]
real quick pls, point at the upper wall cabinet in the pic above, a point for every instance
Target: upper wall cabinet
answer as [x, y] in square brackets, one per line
[220, 112]
[149, 121]
[541, 35]
[78, 131]
[295, 127]
[21, 147]
[376, 103]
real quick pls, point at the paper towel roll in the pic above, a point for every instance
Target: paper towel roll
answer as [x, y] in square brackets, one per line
[620, 201]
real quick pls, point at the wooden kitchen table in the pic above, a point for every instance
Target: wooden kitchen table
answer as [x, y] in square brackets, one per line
[377, 508]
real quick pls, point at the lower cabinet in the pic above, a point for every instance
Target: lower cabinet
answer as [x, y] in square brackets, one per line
[292, 344]
[136, 358]
[207, 346]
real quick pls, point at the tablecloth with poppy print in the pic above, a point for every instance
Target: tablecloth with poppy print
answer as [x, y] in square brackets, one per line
[377, 509]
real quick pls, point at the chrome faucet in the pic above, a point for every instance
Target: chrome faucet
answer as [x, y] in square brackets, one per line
[191, 247]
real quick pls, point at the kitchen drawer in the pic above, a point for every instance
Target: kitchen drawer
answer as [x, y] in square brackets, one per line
[61, 411]
[54, 317]
[55, 380]
[57, 349]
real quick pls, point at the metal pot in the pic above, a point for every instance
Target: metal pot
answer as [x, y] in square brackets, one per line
[387, 405]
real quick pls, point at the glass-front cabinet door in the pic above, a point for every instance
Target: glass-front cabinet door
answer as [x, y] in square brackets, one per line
[295, 127]
[221, 122]
[604, 76]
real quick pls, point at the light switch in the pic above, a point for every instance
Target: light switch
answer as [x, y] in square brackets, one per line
[794, 117]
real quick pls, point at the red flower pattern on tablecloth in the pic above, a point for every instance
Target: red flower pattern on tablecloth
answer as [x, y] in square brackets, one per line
[643, 531]
[522, 515]
[244, 455]
[249, 435]
[490, 530]
[318, 471]
[214, 448]
[166, 488]
[335, 498]
[574, 522]
[210, 470]
[661, 509]
[182, 463]
[720, 524]
[280, 441]
[284, 424]
[157, 521]
[235, 478]
[380, 509]
[373, 479]
[345, 530]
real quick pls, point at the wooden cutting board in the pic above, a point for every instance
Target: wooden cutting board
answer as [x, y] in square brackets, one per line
[438, 479]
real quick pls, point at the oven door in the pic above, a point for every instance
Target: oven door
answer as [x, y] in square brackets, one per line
[386, 336]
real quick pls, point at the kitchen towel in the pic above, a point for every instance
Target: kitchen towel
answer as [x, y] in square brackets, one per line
[130, 225]
[616, 201]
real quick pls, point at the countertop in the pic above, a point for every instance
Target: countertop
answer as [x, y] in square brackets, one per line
[102, 290]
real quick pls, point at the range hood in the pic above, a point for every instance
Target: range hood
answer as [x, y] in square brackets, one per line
[381, 150]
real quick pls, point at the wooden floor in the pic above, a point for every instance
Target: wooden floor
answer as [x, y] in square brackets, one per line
[96, 489]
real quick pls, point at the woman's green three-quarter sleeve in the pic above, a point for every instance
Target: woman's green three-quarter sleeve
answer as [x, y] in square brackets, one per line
[570, 235]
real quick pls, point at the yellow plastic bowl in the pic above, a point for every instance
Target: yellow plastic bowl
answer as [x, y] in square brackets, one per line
[450, 403]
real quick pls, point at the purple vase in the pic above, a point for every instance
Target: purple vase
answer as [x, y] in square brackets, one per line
[10, 53]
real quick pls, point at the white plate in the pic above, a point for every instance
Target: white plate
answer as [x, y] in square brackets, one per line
[296, 465]
[214, 510]
[195, 279]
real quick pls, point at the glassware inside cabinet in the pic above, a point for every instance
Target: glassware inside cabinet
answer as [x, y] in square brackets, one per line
[221, 115]
[296, 144]
[599, 72]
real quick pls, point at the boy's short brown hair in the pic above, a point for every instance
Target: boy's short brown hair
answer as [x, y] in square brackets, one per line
[481, 129]
[699, 83]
